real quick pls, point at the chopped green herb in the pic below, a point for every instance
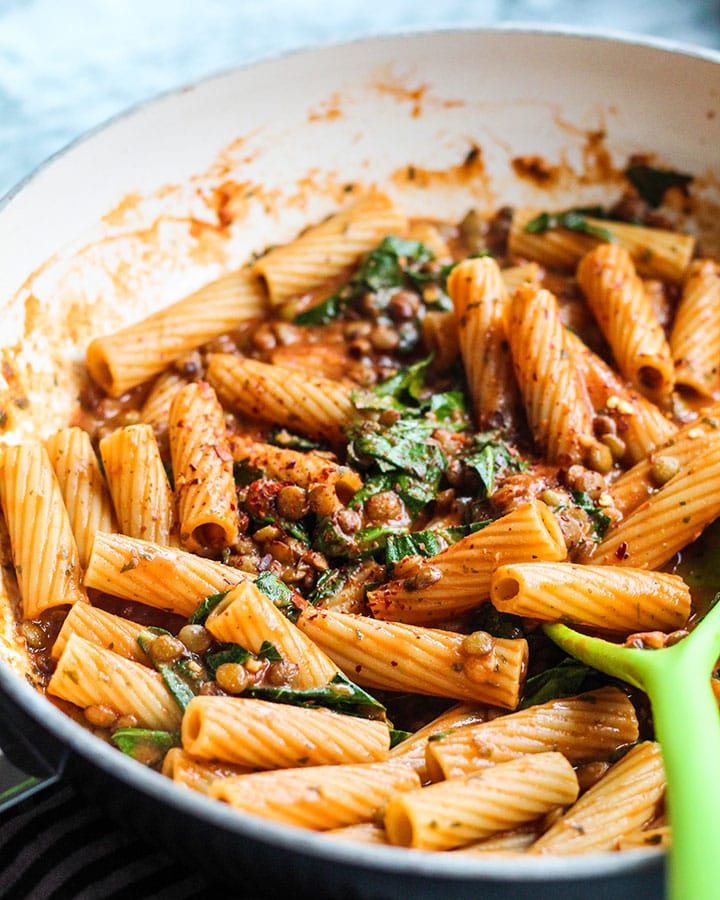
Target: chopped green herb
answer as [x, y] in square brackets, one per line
[397, 736]
[394, 265]
[244, 473]
[457, 532]
[404, 388]
[236, 653]
[331, 582]
[269, 651]
[402, 456]
[563, 680]
[145, 745]
[206, 607]
[600, 520]
[414, 543]
[439, 735]
[371, 540]
[183, 676]
[573, 220]
[274, 588]
[226, 653]
[327, 310]
[340, 695]
[283, 438]
[490, 456]
[329, 538]
[652, 183]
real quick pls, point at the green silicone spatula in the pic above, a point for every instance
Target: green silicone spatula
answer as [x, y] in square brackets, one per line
[687, 726]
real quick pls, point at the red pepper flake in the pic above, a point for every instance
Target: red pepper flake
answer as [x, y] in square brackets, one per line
[621, 552]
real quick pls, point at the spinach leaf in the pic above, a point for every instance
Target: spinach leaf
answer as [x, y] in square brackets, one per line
[405, 387]
[144, 744]
[450, 409]
[600, 519]
[280, 594]
[573, 220]
[206, 607]
[393, 265]
[274, 588]
[226, 653]
[283, 438]
[496, 623]
[652, 183]
[414, 543]
[327, 310]
[404, 392]
[563, 680]
[329, 538]
[340, 695]
[457, 532]
[269, 651]
[331, 581]
[490, 456]
[394, 258]
[244, 473]
[397, 736]
[402, 456]
[236, 653]
[184, 676]
[371, 540]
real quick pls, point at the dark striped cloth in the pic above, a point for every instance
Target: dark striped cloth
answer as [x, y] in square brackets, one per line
[56, 846]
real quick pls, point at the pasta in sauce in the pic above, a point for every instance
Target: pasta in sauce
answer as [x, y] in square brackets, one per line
[297, 549]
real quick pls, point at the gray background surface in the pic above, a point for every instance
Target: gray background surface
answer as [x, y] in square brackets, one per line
[67, 65]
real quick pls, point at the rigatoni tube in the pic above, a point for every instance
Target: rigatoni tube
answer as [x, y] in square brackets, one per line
[453, 813]
[318, 797]
[612, 598]
[266, 735]
[397, 657]
[457, 579]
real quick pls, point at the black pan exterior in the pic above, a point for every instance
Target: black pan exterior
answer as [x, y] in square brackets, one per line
[253, 858]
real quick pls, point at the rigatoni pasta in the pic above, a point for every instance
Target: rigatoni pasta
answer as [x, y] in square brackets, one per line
[458, 578]
[447, 815]
[265, 735]
[45, 554]
[622, 802]
[163, 577]
[556, 402]
[328, 249]
[373, 526]
[82, 485]
[318, 797]
[139, 487]
[658, 253]
[131, 356]
[582, 728]
[395, 656]
[618, 300]
[609, 598]
[203, 470]
[91, 676]
[312, 405]
[695, 335]
[481, 304]
[246, 616]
